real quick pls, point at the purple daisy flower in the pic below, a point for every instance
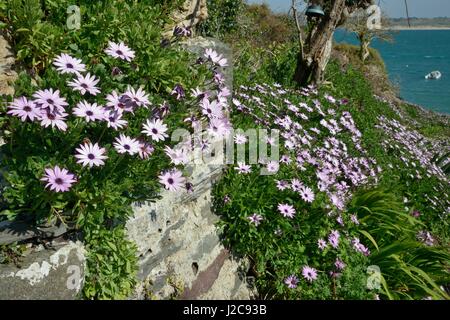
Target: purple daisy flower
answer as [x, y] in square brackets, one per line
[333, 238]
[307, 194]
[339, 264]
[240, 138]
[285, 159]
[116, 102]
[23, 109]
[219, 128]
[243, 168]
[125, 144]
[178, 91]
[85, 84]
[91, 155]
[90, 112]
[114, 119]
[65, 63]
[291, 282]
[59, 180]
[215, 58]
[286, 210]
[145, 150]
[155, 129]
[354, 219]
[310, 274]
[255, 219]
[211, 109]
[282, 185]
[138, 97]
[273, 166]
[172, 180]
[58, 120]
[322, 244]
[296, 185]
[119, 50]
[51, 100]
[177, 155]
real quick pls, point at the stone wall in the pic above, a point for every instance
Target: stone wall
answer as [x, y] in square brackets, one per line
[52, 273]
[7, 73]
[181, 255]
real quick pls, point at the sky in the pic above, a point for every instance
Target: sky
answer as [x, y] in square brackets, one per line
[394, 8]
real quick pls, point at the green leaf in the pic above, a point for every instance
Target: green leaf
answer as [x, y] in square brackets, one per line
[368, 236]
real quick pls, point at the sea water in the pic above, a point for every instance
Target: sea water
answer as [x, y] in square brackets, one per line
[412, 55]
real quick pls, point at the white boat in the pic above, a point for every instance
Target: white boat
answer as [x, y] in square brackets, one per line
[434, 75]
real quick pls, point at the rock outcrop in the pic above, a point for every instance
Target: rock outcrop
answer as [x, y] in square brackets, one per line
[7, 73]
[52, 273]
[191, 13]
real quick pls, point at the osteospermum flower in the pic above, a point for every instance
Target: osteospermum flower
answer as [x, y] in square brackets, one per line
[85, 84]
[53, 119]
[59, 180]
[322, 244]
[354, 219]
[155, 129]
[291, 281]
[286, 210]
[117, 102]
[243, 168]
[219, 128]
[90, 112]
[119, 50]
[145, 149]
[255, 219]
[125, 144]
[214, 57]
[296, 185]
[211, 109]
[307, 194]
[197, 93]
[310, 274]
[177, 156]
[273, 166]
[178, 91]
[240, 138]
[333, 238]
[282, 185]
[90, 155]
[172, 180]
[114, 119]
[139, 97]
[49, 99]
[67, 64]
[285, 159]
[339, 264]
[23, 109]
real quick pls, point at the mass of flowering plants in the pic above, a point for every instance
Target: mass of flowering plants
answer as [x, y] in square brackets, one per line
[83, 147]
[78, 142]
[314, 226]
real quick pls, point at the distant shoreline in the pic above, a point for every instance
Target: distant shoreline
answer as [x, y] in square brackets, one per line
[399, 28]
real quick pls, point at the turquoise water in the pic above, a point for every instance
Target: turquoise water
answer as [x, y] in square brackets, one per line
[414, 54]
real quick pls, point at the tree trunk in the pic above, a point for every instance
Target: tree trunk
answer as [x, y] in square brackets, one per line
[364, 42]
[311, 65]
[364, 50]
